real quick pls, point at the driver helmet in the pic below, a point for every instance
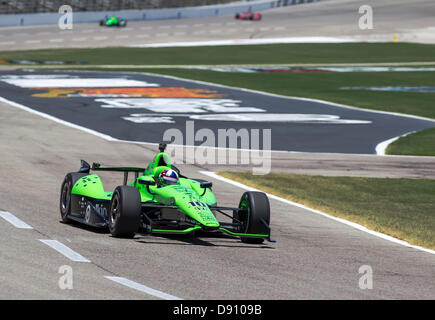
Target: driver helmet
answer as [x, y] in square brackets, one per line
[168, 177]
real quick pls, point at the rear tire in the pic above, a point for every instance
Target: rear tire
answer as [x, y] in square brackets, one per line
[125, 211]
[65, 194]
[257, 209]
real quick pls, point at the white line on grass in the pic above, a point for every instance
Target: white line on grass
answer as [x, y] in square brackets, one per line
[346, 222]
[142, 288]
[382, 147]
[66, 251]
[13, 220]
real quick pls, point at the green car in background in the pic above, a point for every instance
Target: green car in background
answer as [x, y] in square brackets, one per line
[113, 21]
[159, 200]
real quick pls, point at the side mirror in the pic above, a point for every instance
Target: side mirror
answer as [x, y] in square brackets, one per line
[206, 184]
[147, 182]
[84, 167]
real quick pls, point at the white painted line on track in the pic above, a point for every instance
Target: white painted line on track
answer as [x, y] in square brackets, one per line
[100, 38]
[64, 250]
[382, 147]
[79, 39]
[32, 41]
[56, 40]
[346, 222]
[13, 220]
[143, 288]
[7, 43]
[255, 41]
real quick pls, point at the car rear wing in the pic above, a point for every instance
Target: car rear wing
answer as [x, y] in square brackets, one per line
[85, 168]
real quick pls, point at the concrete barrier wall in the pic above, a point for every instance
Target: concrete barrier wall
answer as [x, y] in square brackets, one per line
[152, 14]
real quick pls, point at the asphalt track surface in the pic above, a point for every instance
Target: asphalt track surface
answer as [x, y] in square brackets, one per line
[170, 104]
[314, 257]
[411, 21]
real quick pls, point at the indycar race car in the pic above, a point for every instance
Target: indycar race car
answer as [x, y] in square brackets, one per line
[248, 15]
[159, 200]
[113, 21]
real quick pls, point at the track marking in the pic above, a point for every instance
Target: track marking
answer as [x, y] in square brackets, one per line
[143, 288]
[64, 250]
[110, 138]
[286, 97]
[382, 147]
[56, 40]
[79, 39]
[13, 220]
[32, 41]
[346, 222]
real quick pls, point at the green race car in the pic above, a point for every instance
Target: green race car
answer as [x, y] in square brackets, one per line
[159, 200]
[113, 21]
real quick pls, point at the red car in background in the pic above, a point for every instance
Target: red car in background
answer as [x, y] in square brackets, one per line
[248, 15]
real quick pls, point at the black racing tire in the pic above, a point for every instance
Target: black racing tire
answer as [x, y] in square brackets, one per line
[257, 208]
[123, 23]
[102, 22]
[65, 194]
[237, 16]
[125, 211]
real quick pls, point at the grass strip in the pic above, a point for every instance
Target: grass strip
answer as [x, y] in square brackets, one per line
[420, 143]
[402, 208]
[240, 54]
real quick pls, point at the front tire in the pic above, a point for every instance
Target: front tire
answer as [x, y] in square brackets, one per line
[125, 212]
[256, 208]
[65, 194]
